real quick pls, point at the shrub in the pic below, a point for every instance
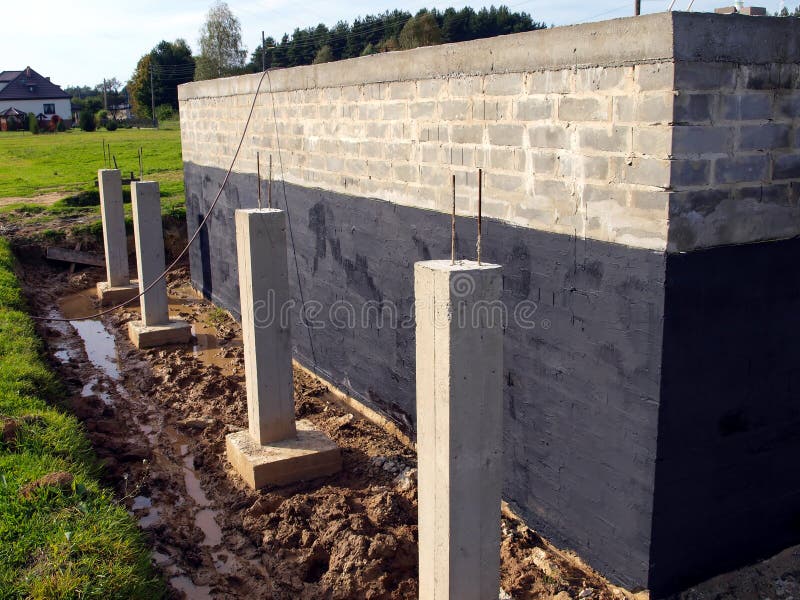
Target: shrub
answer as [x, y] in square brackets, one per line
[61, 126]
[33, 123]
[13, 123]
[101, 118]
[164, 112]
[87, 120]
[111, 125]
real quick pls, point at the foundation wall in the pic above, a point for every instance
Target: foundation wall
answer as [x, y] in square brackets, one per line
[617, 157]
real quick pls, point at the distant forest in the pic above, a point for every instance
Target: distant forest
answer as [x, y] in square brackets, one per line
[395, 30]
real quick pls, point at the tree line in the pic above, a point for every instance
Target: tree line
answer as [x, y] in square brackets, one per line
[222, 52]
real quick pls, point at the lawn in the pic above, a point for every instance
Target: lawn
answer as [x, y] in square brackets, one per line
[33, 165]
[65, 536]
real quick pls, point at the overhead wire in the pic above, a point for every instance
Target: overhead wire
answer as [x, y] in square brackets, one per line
[191, 239]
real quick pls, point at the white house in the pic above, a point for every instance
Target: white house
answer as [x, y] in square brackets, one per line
[29, 92]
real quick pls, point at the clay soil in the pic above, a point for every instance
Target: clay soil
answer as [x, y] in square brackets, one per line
[158, 420]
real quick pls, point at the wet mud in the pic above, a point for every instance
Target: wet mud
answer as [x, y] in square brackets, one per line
[158, 419]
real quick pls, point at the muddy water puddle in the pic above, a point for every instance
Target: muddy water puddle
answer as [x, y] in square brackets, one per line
[157, 507]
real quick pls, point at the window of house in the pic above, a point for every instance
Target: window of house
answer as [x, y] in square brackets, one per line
[49, 109]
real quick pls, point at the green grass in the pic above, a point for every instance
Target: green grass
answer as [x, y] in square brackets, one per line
[32, 165]
[73, 544]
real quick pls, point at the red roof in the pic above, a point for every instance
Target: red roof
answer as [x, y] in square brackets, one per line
[29, 85]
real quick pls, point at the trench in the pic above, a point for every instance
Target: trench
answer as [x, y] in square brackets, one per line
[152, 510]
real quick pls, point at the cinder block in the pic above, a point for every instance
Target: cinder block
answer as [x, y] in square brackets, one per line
[466, 134]
[654, 140]
[606, 139]
[394, 111]
[534, 108]
[464, 87]
[455, 110]
[583, 109]
[690, 173]
[550, 82]
[650, 200]
[655, 107]
[594, 167]
[430, 88]
[506, 135]
[696, 140]
[787, 104]
[504, 84]
[548, 136]
[309, 455]
[422, 110]
[602, 78]
[705, 76]
[745, 106]
[739, 169]
[768, 136]
[402, 90]
[648, 171]
[693, 108]
[786, 166]
[655, 76]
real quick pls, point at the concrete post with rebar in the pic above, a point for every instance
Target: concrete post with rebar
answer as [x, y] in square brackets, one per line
[459, 364]
[155, 327]
[275, 449]
[118, 287]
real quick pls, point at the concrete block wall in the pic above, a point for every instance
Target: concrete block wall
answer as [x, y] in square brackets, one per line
[553, 141]
[640, 193]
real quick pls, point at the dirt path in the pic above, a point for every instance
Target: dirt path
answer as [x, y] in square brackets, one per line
[44, 199]
[158, 419]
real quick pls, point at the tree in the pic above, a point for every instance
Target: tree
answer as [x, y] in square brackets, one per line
[171, 64]
[221, 50]
[422, 30]
[324, 55]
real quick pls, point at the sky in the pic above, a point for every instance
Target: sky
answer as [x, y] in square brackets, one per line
[84, 41]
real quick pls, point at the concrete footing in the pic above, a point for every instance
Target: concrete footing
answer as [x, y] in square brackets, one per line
[459, 347]
[148, 336]
[111, 295]
[274, 450]
[310, 454]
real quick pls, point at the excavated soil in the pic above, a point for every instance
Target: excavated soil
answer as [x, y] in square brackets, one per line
[158, 420]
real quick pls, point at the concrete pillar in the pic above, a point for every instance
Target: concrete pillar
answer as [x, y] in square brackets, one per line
[459, 365]
[264, 285]
[274, 450]
[118, 287]
[155, 327]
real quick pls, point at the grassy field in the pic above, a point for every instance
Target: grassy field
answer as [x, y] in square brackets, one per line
[33, 165]
[69, 540]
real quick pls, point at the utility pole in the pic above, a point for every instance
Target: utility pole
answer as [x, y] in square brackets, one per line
[637, 7]
[105, 95]
[263, 52]
[153, 98]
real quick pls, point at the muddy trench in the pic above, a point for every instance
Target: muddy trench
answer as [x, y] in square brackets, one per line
[157, 420]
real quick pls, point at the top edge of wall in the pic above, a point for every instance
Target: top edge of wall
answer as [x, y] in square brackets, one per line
[590, 44]
[649, 38]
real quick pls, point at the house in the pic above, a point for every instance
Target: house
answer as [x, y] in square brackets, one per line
[28, 92]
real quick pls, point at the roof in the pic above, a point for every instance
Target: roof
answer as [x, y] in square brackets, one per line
[12, 112]
[29, 85]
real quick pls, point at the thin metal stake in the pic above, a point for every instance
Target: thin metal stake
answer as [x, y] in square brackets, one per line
[141, 164]
[480, 210]
[105, 160]
[258, 175]
[115, 160]
[269, 188]
[453, 223]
